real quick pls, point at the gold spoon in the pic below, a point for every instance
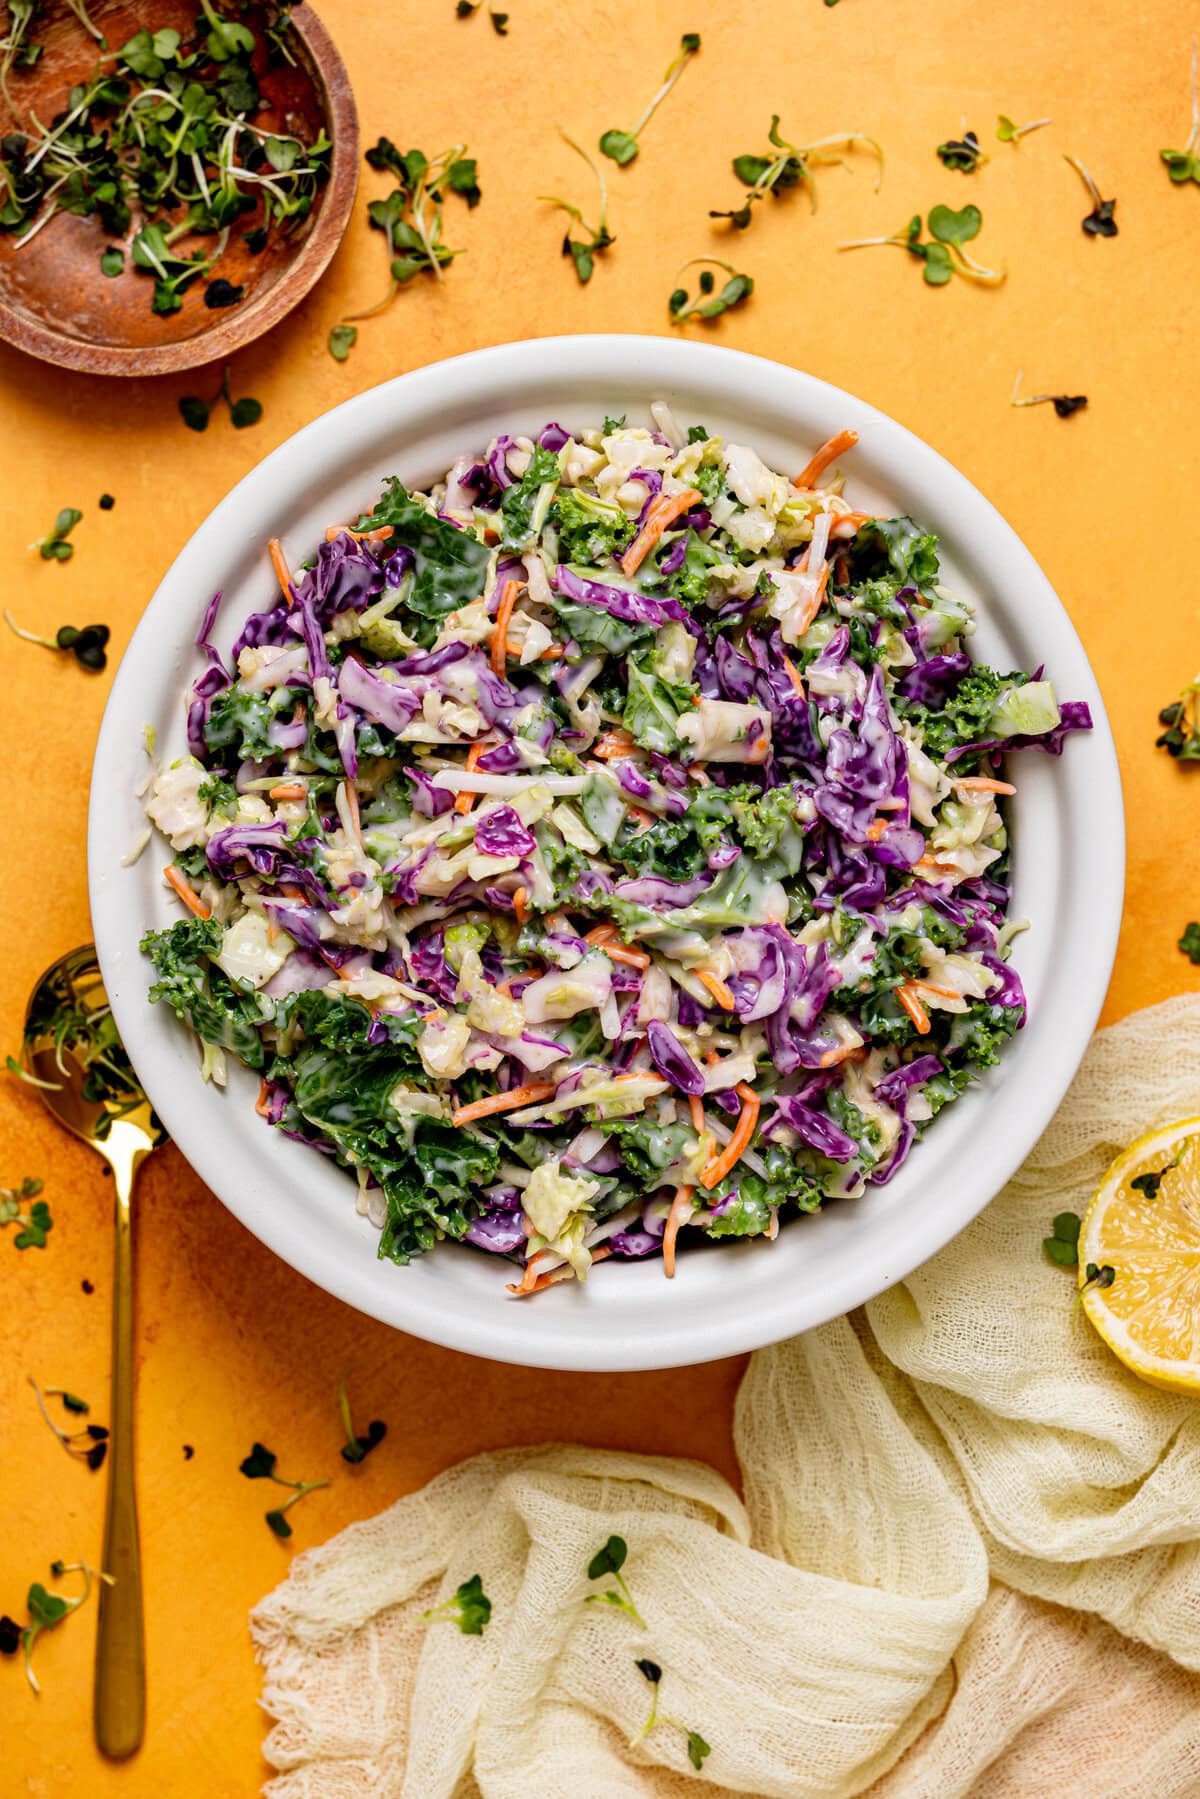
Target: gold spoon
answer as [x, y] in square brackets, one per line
[74, 1054]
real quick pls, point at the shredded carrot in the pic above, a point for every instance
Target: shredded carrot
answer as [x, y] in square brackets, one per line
[516, 1097]
[279, 563]
[552, 652]
[982, 784]
[853, 520]
[876, 828]
[716, 987]
[632, 958]
[508, 594]
[603, 933]
[539, 1282]
[698, 775]
[645, 819]
[261, 1103]
[293, 893]
[696, 1108]
[662, 512]
[681, 1211]
[929, 866]
[379, 535]
[521, 904]
[820, 460]
[794, 676]
[191, 900]
[932, 987]
[910, 1000]
[288, 790]
[719, 1167]
[814, 605]
[613, 743]
[352, 809]
[464, 801]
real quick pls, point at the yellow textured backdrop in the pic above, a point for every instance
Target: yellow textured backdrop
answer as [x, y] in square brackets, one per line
[232, 1345]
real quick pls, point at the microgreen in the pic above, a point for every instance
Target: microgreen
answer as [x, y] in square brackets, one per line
[1008, 133]
[410, 218]
[1099, 1277]
[356, 1448]
[221, 293]
[1181, 739]
[466, 8]
[583, 251]
[46, 1610]
[470, 1608]
[34, 1220]
[622, 146]
[342, 340]
[1099, 222]
[1062, 1247]
[790, 166]
[1065, 405]
[697, 1748]
[260, 1465]
[1184, 165]
[1189, 943]
[90, 1444]
[195, 412]
[609, 1560]
[55, 547]
[85, 1029]
[86, 645]
[112, 262]
[706, 304]
[942, 254]
[1148, 1184]
[962, 153]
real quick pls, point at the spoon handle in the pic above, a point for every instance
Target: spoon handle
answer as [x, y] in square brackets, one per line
[119, 1705]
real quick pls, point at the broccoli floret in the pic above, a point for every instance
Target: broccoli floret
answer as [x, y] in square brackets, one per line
[589, 532]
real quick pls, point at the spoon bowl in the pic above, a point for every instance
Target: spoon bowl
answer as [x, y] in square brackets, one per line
[74, 1057]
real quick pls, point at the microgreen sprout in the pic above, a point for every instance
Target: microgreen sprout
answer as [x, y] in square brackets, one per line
[697, 1748]
[1100, 221]
[465, 8]
[469, 1608]
[1148, 1184]
[1181, 739]
[260, 1465]
[609, 1560]
[16, 51]
[195, 412]
[1064, 404]
[1184, 165]
[706, 304]
[45, 1611]
[356, 1448]
[342, 340]
[1094, 1276]
[1008, 133]
[791, 166]
[962, 153]
[583, 251]
[82, 1026]
[1189, 943]
[1062, 1247]
[942, 255]
[34, 1221]
[622, 146]
[89, 1444]
[55, 546]
[86, 645]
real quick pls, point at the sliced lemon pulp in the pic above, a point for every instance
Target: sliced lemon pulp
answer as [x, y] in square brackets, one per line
[1149, 1313]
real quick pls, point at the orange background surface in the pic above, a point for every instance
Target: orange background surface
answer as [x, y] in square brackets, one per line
[232, 1345]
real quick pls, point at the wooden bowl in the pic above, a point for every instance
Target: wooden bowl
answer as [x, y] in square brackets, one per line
[54, 301]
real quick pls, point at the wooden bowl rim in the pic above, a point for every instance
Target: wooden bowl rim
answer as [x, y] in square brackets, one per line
[232, 332]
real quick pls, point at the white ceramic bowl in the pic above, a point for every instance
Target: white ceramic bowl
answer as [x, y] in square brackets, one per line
[1068, 863]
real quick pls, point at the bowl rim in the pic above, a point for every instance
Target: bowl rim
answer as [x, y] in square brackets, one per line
[445, 1310]
[231, 331]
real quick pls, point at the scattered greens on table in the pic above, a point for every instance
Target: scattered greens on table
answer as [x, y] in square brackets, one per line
[607, 1564]
[789, 166]
[1099, 222]
[1184, 165]
[1008, 133]
[260, 1465]
[469, 1608]
[1065, 405]
[89, 1443]
[622, 146]
[962, 153]
[410, 218]
[196, 412]
[584, 250]
[162, 136]
[87, 645]
[46, 1610]
[355, 1448]
[32, 1219]
[465, 8]
[707, 303]
[604, 842]
[942, 254]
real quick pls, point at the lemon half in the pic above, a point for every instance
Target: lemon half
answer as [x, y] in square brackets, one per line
[1150, 1313]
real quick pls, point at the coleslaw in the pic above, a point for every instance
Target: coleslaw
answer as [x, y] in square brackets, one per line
[604, 844]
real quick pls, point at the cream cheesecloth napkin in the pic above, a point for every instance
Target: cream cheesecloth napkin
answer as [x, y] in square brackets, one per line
[968, 1559]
